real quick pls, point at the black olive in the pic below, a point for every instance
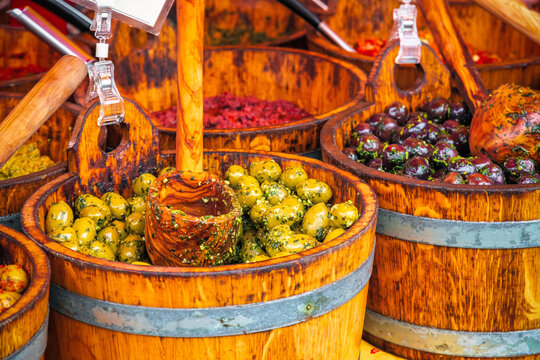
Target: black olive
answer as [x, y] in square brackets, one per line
[453, 178]
[451, 125]
[375, 119]
[351, 153]
[442, 153]
[460, 112]
[398, 111]
[437, 109]
[417, 147]
[516, 167]
[376, 163]
[387, 129]
[460, 139]
[478, 179]
[369, 147]
[413, 128]
[418, 167]
[529, 179]
[480, 162]
[362, 129]
[494, 173]
[461, 166]
[394, 157]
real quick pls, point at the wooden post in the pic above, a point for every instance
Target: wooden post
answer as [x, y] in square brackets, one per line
[189, 127]
[40, 103]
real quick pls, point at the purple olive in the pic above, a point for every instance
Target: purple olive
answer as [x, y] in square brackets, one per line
[394, 157]
[446, 137]
[369, 147]
[432, 133]
[516, 167]
[437, 109]
[417, 147]
[387, 129]
[460, 138]
[478, 179]
[376, 163]
[528, 179]
[453, 178]
[398, 111]
[362, 129]
[413, 128]
[442, 153]
[460, 112]
[354, 141]
[451, 125]
[461, 166]
[480, 162]
[418, 167]
[417, 115]
[351, 153]
[375, 119]
[494, 172]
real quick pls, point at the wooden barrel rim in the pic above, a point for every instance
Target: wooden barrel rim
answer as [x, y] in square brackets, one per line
[364, 223]
[360, 76]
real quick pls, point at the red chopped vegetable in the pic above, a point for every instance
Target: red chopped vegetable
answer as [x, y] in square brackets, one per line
[232, 112]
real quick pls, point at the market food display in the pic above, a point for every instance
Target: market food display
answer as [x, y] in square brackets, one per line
[13, 282]
[228, 111]
[26, 160]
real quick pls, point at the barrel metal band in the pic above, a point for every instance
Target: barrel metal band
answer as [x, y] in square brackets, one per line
[450, 342]
[35, 348]
[462, 234]
[209, 322]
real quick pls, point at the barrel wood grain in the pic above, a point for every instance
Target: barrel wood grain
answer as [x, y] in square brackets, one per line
[199, 287]
[20, 322]
[442, 287]
[52, 139]
[520, 55]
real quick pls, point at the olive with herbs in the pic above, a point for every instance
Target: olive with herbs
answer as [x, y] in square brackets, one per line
[417, 147]
[442, 153]
[369, 147]
[460, 112]
[362, 129]
[515, 167]
[343, 215]
[63, 234]
[394, 157]
[478, 179]
[131, 249]
[234, 173]
[494, 172]
[59, 214]
[437, 109]
[265, 170]
[316, 221]
[274, 192]
[398, 111]
[86, 230]
[292, 176]
[453, 178]
[387, 130]
[137, 204]
[461, 165]
[314, 191]
[418, 167]
[248, 196]
[119, 206]
[142, 183]
[109, 236]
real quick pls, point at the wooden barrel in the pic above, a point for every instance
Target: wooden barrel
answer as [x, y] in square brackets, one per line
[23, 326]
[457, 267]
[481, 30]
[285, 308]
[52, 139]
[322, 86]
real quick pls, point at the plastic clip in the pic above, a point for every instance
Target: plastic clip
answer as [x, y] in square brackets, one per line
[410, 45]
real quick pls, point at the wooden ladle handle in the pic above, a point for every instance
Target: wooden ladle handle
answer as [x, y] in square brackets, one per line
[40, 103]
[515, 13]
[454, 51]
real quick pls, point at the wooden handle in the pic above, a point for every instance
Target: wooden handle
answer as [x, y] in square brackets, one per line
[40, 103]
[189, 127]
[454, 51]
[515, 13]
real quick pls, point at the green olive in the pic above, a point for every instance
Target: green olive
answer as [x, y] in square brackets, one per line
[258, 258]
[121, 228]
[119, 206]
[135, 223]
[246, 181]
[137, 204]
[299, 242]
[233, 174]
[248, 196]
[265, 170]
[64, 233]
[100, 250]
[275, 193]
[131, 249]
[166, 170]
[316, 221]
[276, 237]
[343, 214]
[292, 176]
[332, 234]
[141, 184]
[8, 298]
[73, 245]
[277, 215]
[59, 214]
[294, 203]
[101, 218]
[86, 230]
[110, 236]
[250, 248]
[314, 191]
[90, 200]
[258, 210]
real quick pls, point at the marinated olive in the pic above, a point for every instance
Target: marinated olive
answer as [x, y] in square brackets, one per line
[85, 228]
[351, 153]
[515, 167]
[64, 233]
[135, 223]
[246, 181]
[248, 196]
[131, 249]
[528, 179]
[417, 147]
[369, 147]
[478, 179]
[375, 119]
[275, 237]
[294, 203]
[292, 176]
[437, 109]
[442, 153]
[100, 217]
[451, 125]
[274, 192]
[394, 157]
[398, 111]
[166, 170]
[460, 112]
[109, 236]
[298, 242]
[460, 139]
[316, 221]
[343, 214]
[119, 206]
[461, 165]
[14, 278]
[413, 128]
[418, 167]
[100, 250]
[141, 184]
[258, 210]
[137, 204]
[59, 214]
[387, 130]
[453, 178]
[480, 162]
[362, 129]
[73, 245]
[86, 200]
[314, 191]
[494, 173]
[332, 234]
[376, 163]
[121, 228]
[250, 248]
[277, 215]
[265, 170]
[8, 298]
[233, 174]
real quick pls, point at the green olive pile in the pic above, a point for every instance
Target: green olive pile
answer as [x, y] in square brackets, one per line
[13, 282]
[110, 227]
[285, 212]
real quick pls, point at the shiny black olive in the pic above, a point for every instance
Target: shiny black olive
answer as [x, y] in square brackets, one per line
[494, 172]
[516, 167]
[387, 129]
[362, 129]
[394, 157]
[460, 138]
[451, 125]
[398, 111]
[453, 178]
[413, 128]
[437, 109]
[461, 166]
[417, 147]
[478, 179]
[418, 167]
[460, 112]
[350, 152]
[480, 162]
[376, 163]
[442, 153]
[528, 179]
[375, 119]
[369, 147]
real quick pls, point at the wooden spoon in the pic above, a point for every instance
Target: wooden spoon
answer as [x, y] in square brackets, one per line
[40, 103]
[505, 123]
